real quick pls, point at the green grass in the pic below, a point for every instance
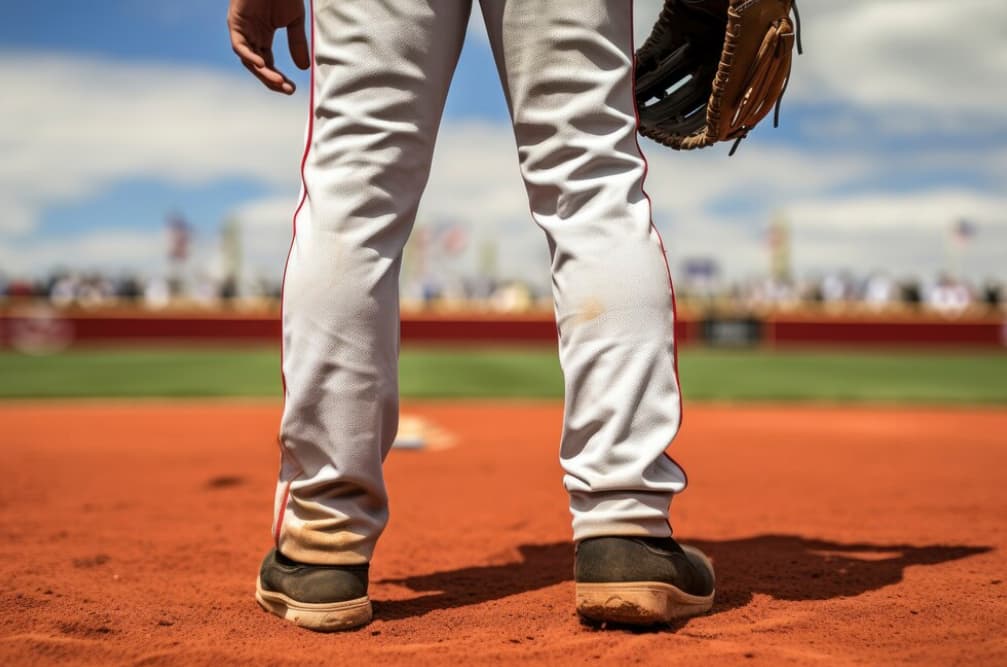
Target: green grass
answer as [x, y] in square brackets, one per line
[742, 375]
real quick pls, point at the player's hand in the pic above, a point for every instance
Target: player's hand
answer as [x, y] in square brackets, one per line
[253, 23]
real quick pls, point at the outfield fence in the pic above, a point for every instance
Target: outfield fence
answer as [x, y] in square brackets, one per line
[42, 328]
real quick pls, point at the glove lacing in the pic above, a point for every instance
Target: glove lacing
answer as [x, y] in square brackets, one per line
[779, 100]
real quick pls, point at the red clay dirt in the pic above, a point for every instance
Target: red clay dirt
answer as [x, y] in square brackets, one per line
[132, 534]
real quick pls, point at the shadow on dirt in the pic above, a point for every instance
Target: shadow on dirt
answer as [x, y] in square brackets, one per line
[786, 567]
[541, 566]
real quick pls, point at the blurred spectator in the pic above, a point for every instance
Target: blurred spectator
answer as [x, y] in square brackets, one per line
[512, 297]
[157, 293]
[911, 293]
[992, 294]
[879, 291]
[63, 292]
[21, 289]
[837, 291]
[129, 289]
[948, 296]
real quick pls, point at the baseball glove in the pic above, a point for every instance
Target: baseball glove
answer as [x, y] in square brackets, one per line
[712, 69]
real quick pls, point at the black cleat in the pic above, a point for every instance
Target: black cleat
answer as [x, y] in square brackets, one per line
[641, 580]
[318, 597]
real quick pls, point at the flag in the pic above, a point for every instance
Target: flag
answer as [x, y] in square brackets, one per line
[450, 238]
[179, 236]
[963, 231]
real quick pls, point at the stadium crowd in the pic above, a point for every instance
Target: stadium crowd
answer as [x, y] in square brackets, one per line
[836, 291]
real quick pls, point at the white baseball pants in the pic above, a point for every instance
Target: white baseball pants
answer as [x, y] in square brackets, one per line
[380, 77]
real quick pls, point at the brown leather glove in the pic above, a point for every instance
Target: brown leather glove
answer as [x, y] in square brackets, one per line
[712, 69]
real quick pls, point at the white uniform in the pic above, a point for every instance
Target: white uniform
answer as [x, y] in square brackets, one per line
[380, 76]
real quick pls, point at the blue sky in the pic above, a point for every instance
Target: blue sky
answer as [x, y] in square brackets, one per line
[193, 32]
[114, 119]
[183, 33]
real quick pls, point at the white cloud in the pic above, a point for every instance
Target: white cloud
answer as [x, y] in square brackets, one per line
[477, 26]
[16, 218]
[72, 126]
[934, 210]
[266, 226]
[707, 204]
[475, 181]
[940, 57]
[902, 234]
[93, 249]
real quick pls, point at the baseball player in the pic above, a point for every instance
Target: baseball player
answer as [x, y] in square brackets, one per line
[380, 71]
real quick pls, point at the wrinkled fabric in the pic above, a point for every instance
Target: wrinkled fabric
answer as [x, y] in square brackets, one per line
[381, 74]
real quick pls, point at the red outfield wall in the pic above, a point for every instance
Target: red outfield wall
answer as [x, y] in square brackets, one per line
[49, 327]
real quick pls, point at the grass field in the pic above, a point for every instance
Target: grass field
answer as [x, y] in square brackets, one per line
[744, 375]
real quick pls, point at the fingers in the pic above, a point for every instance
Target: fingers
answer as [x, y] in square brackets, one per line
[253, 47]
[271, 78]
[244, 50]
[297, 40]
[259, 61]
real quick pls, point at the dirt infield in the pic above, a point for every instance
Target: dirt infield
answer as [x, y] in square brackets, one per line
[131, 534]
